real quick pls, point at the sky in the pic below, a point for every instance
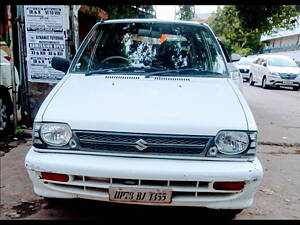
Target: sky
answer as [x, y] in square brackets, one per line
[168, 11]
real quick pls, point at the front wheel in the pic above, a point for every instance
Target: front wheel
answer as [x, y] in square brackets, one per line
[4, 116]
[296, 88]
[251, 82]
[230, 213]
[264, 85]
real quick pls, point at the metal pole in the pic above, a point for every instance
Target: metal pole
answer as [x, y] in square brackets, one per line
[24, 99]
[12, 68]
[75, 26]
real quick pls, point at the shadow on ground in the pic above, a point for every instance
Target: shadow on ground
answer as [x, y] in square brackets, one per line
[95, 210]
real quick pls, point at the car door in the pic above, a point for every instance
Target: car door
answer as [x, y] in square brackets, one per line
[255, 69]
[260, 69]
[264, 69]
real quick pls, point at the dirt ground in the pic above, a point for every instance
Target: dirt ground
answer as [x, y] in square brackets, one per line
[278, 196]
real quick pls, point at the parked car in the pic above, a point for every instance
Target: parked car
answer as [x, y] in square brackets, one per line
[147, 113]
[275, 71]
[6, 105]
[244, 67]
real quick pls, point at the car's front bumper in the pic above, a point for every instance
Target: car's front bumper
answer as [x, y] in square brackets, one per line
[191, 181]
[282, 83]
[277, 81]
[245, 76]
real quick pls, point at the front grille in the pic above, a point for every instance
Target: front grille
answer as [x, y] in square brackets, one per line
[244, 70]
[142, 144]
[287, 76]
[132, 149]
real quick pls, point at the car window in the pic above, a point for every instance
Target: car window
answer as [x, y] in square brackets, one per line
[259, 61]
[163, 46]
[282, 62]
[256, 61]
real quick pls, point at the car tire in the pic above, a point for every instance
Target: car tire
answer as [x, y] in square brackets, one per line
[230, 213]
[4, 115]
[251, 82]
[296, 88]
[263, 83]
[53, 200]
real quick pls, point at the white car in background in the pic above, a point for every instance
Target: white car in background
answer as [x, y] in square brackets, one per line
[147, 113]
[275, 71]
[244, 67]
[6, 105]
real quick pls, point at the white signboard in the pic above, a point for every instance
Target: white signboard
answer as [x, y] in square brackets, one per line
[44, 39]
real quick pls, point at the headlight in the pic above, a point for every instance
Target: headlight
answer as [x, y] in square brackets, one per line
[235, 75]
[232, 142]
[274, 74]
[55, 134]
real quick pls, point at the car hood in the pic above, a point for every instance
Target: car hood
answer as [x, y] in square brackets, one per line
[195, 106]
[243, 66]
[281, 69]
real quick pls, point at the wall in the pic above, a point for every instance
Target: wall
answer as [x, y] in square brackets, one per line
[37, 91]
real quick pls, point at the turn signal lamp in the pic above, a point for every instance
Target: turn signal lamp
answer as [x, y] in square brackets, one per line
[55, 177]
[229, 186]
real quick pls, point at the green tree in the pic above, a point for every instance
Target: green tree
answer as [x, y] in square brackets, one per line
[265, 18]
[240, 27]
[127, 11]
[186, 12]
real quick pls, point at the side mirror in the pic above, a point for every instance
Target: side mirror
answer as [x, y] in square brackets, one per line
[60, 64]
[235, 57]
[265, 64]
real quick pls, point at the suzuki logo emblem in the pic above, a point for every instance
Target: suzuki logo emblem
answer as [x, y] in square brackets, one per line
[141, 145]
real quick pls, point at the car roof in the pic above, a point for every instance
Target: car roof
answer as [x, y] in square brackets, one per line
[273, 56]
[151, 21]
[246, 59]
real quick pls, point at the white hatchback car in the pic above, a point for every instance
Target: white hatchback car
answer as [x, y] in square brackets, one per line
[6, 104]
[244, 67]
[147, 113]
[275, 71]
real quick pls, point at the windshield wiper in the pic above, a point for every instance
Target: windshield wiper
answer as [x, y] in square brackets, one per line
[179, 72]
[123, 69]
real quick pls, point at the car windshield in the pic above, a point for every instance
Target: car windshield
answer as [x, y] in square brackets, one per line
[282, 62]
[243, 62]
[147, 47]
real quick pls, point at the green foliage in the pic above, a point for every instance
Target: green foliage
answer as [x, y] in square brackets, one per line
[265, 18]
[186, 12]
[127, 11]
[20, 130]
[240, 27]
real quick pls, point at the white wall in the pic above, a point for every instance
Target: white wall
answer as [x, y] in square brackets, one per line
[293, 54]
[289, 40]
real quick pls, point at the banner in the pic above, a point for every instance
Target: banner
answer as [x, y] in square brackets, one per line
[45, 38]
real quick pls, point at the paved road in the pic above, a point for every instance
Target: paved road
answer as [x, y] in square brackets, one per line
[277, 113]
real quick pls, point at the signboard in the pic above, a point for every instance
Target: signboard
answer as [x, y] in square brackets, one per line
[45, 38]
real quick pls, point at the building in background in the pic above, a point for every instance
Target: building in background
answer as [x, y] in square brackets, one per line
[201, 17]
[284, 42]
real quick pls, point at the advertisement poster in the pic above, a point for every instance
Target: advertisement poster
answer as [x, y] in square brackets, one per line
[44, 39]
